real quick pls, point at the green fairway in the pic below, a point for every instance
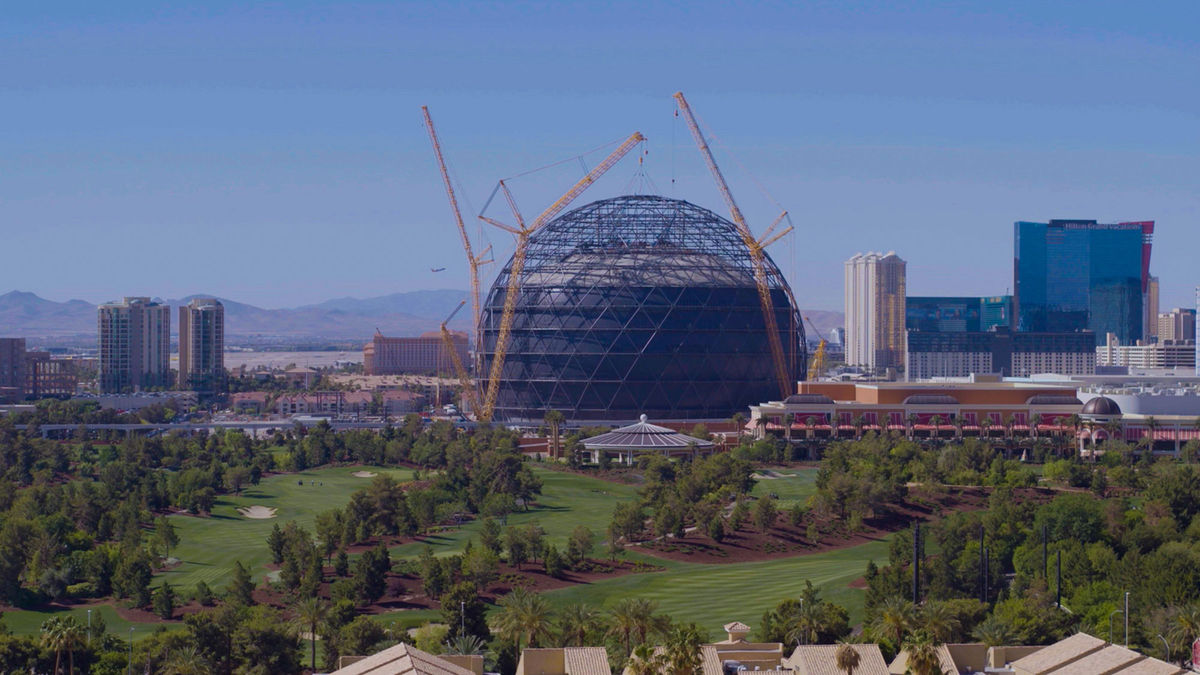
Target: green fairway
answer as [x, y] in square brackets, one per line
[713, 595]
[25, 622]
[791, 486]
[208, 547]
[567, 501]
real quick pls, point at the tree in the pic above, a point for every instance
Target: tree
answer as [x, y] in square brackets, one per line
[132, 579]
[62, 634]
[846, 658]
[682, 653]
[580, 545]
[241, 588]
[515, 542]
[940, 621]
[165, 537]
[204, 594]
[643, 662]
[895, 619]
[465, 613]
[923, 655]
[634, 621]
[576, 623]
[480, 566]
[554, 420]
[765, 513]
[553, 562]
[276, 542]
[164, 601]
[523, 618]
[309, 613]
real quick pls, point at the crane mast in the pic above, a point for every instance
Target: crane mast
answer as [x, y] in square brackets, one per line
[448, 343]
[816, 367]
[473, 261]
[754, 246]
[512, 288]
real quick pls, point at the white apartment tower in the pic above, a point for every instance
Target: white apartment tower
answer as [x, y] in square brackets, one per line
[135, 345]
[202, 345]
[875, 292]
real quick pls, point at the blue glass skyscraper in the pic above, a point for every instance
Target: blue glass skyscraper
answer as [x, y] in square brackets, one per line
[1073, 275]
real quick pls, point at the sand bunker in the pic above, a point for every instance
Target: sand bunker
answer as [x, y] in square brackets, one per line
[770, 475]
[257, 512]
[364, 474]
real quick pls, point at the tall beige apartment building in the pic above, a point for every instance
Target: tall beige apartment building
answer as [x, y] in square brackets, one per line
[1150, 310]
[1177, 325]
[135, 345]
[202, 345]
[424, 355]
[875, 297]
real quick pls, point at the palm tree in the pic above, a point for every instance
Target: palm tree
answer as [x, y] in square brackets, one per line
[857, 422]
[62, 634]
[576, 622]
[186, 661]
[936, 421]
[1152, 425]
[523, 617]
[985, 427]
[554, 420]
[1034, 422]
[940, 621]
[1074, 421]
[466, 645]
[923, 655]
[912, 424]
[958, 426]
[309, 613]
[1185, 625]
[846, 658]
[993, 632]
[682, 653]
[805, 626]
[634, 621]
[739, 423]
[811, 421]
[760, 426]
[896, 618]
[643, 661]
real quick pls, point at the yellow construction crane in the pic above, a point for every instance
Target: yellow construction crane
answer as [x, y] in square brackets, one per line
[474, 262]
[469, 391]
[816, 367]
[753, 245]
[513, 287]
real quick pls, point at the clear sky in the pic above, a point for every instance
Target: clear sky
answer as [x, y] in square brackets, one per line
[273, 153]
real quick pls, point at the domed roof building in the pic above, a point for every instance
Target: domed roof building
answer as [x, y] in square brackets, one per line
[639, 304]
[1100, 407]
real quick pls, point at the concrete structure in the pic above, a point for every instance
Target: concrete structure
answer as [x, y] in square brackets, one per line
[644, 438]
[959, 354]
[564, 661]
[982, 408]
[1082, 654]
[1074, 275]
[46, 377]
[403, 659]
[135, 345]
[425, 355]
[1177, 324]
[1151, 310]
[875, 311]
[202, 345]
[13, 375]
[1165, 354]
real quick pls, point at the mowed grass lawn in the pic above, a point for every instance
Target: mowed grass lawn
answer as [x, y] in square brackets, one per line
[209, 546]
[26, 622]
[567, 501]
[792, 485]
[713, 595]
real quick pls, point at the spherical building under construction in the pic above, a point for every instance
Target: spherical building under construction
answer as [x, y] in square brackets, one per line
[639, 305]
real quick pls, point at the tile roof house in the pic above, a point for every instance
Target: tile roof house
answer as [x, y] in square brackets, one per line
[822, 660]
[1082, 654]
[564, 661]
[403, 659]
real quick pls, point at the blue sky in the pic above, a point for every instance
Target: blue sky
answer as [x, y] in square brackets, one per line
[273, 153]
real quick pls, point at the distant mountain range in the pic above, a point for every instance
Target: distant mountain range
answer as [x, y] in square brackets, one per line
[25, 314]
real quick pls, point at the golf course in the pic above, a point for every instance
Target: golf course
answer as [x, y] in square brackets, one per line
[708, 594]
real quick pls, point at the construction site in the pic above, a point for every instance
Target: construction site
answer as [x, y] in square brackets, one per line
[630, 305]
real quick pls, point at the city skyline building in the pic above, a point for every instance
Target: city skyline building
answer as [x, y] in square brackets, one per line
[202, 345]
[135, 345]
[1177, 324]
[1073, 275]
[1151, 310]
[425, 355]
[12, 369]
[875, 310]
[1001, 350]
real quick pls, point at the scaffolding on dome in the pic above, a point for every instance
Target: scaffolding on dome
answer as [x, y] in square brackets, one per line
[639, 304]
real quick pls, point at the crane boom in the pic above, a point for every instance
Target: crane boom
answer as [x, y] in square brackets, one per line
[518, 264]
[755, 248]
[473, 261]
[816, 367]
[448, 343]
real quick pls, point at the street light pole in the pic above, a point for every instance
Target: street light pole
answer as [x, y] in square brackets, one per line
[129, 668]
[1166, 648]
[1127, 619]
[1110, 624]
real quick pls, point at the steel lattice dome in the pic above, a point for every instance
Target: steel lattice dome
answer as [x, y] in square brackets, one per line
[638, 305]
